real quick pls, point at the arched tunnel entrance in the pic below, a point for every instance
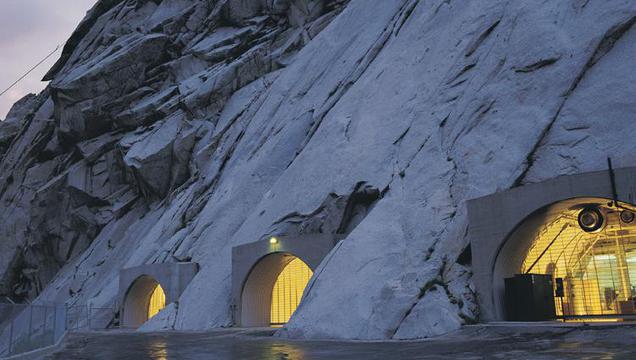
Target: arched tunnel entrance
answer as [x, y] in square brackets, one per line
[144, 299]
[587, 249]
[146, 289]
[273, 290]
[567, 242]
[270, 276]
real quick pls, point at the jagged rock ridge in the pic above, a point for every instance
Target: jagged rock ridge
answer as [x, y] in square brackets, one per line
[173, 130]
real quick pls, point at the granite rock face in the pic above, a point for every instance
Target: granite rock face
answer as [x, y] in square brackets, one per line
[173, 130]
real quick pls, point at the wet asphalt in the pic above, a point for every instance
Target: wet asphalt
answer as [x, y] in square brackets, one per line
[519, 343]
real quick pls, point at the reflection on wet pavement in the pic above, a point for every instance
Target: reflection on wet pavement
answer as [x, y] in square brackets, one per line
[158, 350]
[474, 343]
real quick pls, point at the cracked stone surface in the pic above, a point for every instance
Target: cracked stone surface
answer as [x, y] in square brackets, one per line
[173, 130]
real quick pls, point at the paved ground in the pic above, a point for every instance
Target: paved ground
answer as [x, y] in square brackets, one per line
[477, 342]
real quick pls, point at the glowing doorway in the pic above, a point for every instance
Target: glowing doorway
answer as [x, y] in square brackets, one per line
[144, 299]
[288, 290]
[157, 301]
[273, 289]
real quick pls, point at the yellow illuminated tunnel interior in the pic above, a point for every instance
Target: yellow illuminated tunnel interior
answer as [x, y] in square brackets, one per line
[597, 266]
[157, 301]
[288, 290]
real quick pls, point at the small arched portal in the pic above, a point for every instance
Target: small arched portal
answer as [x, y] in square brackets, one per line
[273, 290]
[269, 277]
[144, 299]
[145, 290]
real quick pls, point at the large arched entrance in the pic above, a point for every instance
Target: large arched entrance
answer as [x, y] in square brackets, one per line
[273, 290]
[144, 299]
[586, 246]
[517, 231]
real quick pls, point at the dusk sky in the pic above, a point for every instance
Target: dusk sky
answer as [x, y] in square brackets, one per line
[29, 30]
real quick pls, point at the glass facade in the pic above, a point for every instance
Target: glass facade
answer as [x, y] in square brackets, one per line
[157, 301]
[593, 253]
[288, 290]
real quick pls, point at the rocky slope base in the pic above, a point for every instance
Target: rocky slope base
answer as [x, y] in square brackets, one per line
[173, 130]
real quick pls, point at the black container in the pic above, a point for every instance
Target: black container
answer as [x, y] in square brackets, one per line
[530, 297]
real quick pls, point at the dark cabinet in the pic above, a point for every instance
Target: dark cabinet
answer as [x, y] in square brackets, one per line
[529, 297]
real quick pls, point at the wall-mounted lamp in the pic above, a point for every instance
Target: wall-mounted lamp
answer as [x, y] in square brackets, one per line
[273, 240]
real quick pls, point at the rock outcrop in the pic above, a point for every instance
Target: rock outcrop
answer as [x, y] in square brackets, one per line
[173, 130]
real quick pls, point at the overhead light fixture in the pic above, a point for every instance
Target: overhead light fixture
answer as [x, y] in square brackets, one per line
[591, 219]
[627, 216]
[273, 240]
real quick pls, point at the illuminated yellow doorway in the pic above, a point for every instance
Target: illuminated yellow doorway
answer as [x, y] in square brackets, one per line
[591, 250]
[288, 291]
[157, 301]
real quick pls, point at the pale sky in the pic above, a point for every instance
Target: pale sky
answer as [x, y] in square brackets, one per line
[29, 30]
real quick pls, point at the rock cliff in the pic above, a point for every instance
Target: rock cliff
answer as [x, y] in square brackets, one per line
[173, 130]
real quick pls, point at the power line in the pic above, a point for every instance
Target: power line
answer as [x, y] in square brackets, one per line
[30, 70]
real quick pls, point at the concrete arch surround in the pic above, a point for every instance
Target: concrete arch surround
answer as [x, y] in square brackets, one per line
[494, 219]
[136, 285]
[256, 266]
